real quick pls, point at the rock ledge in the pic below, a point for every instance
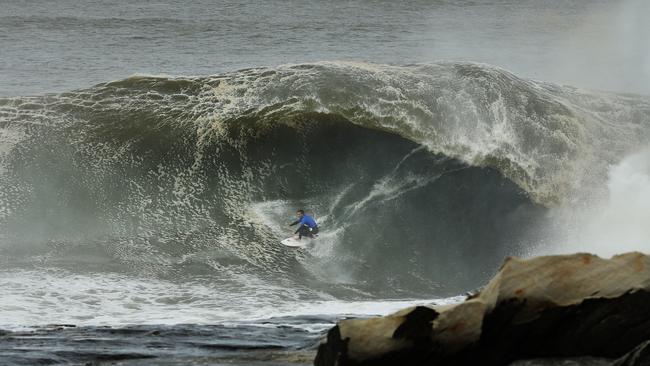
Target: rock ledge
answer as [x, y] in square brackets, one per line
[553, 306]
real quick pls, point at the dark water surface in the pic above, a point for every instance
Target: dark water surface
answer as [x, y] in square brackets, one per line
[273, 342]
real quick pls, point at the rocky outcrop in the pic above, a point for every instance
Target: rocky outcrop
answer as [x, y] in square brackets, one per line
[553, 306]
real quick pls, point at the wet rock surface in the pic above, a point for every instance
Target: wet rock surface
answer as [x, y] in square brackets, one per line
[639, 356]
[553, 307]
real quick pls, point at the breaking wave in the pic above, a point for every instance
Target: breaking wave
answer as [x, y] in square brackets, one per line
[422, 177]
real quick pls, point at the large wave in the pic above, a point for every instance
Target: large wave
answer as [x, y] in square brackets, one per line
[423, 177]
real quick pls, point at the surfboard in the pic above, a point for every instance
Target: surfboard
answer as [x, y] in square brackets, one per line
[293, 242]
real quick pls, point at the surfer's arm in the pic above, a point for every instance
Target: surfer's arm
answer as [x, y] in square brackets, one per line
[299, 227]
[295, 222]
[300, 223]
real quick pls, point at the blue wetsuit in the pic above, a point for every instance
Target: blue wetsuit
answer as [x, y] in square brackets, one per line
[308, 220]
[307, 226]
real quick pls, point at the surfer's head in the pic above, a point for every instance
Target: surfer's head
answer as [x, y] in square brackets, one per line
[300, 213]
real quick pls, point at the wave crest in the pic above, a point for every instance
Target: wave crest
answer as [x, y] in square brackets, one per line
[542, 136]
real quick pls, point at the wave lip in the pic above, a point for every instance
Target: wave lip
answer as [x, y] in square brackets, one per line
[542, 136]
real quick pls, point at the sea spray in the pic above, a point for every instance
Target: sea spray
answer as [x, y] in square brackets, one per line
[611, 223]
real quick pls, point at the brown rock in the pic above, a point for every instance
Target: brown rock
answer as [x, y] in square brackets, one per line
[552, 306]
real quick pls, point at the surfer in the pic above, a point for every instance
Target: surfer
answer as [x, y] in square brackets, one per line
[307, 226]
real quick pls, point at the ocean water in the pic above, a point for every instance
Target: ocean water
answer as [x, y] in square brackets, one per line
[153, 153]
[56, 46]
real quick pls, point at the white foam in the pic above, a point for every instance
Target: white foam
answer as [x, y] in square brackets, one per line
[34, 298]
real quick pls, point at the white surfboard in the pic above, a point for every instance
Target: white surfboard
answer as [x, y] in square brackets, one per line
[294, 242]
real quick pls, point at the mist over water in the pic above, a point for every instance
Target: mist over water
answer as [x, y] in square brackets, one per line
[612, 223]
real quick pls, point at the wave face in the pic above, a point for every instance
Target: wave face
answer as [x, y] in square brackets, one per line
[422, 177]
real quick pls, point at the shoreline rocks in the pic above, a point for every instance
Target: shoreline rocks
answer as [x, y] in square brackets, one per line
[546, 307]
